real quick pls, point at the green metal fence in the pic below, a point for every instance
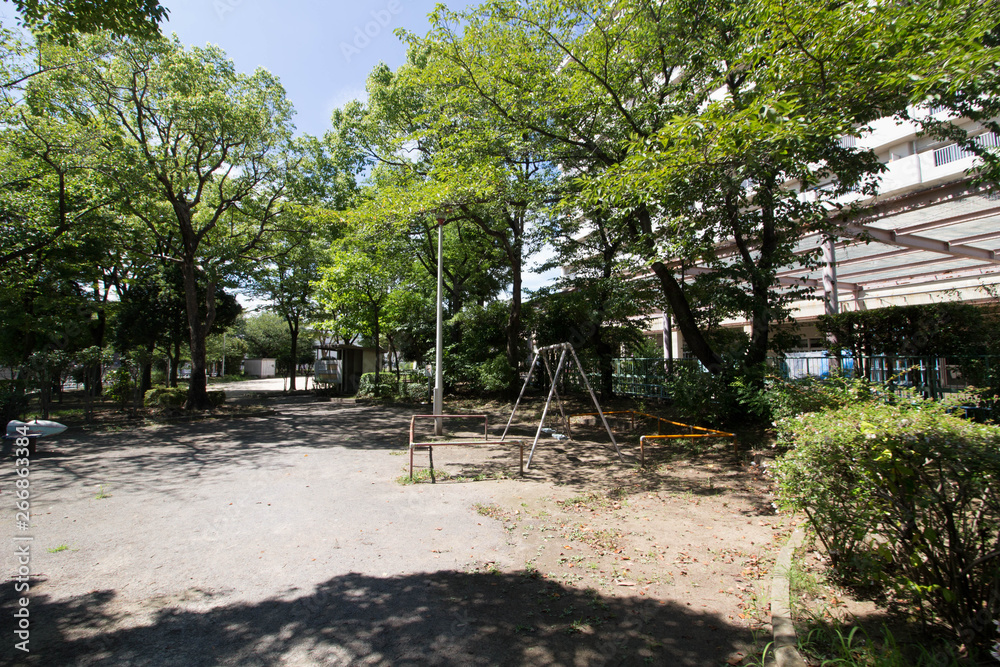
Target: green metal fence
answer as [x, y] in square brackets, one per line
[932, 377]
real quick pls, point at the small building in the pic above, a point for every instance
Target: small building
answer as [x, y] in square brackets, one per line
[341, 365]
[260, 368]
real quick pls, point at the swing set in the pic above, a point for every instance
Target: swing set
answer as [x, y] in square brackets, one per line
[547, 355]
[547, 358]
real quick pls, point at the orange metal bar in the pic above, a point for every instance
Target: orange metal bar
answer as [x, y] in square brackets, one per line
[704, 432]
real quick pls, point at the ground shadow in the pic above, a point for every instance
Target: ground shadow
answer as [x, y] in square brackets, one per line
[445, 618]
[187, 450]
[589, 462]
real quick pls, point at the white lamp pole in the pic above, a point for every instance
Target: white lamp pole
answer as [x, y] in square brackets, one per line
[438, 350]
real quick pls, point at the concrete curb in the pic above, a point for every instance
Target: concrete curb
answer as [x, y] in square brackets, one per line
[784, 647]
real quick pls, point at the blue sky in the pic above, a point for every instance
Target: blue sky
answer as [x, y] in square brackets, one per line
[321, 52]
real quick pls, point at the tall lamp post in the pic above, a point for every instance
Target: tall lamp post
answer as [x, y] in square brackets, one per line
[439, 344]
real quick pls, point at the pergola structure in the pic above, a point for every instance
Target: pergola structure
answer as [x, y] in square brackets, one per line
[931, 244]
[943, 238]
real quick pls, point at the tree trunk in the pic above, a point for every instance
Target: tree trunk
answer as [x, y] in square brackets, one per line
[685, 319]
[378, 355]
[394, 356]
[198, 385]
[293, 362]
[759, 326]
[602, 347]
[175, 362]
[605, 353]
[762, 277]
[514, 322]
[147, 371]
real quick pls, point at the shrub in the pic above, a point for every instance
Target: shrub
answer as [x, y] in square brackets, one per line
[789, 398]
[13, 402]
[411, 387]
[697, 394]
[166, 397]
[386, 388]
[496, 374]
[216, 398]
[415, 391]
[119, 386]
[905, 497]
[733, 396]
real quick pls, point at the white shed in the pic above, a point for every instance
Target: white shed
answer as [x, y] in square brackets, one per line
[260, 368]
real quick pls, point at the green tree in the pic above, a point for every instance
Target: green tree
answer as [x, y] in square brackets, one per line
[598, 305]
[62, 18]
[320, 182]
[289, 283]
[886, 59]
[151, 314]
[265, 335]
[445, 153]
[359, 278]
[50, 162]
[697, 126]
[193, 148]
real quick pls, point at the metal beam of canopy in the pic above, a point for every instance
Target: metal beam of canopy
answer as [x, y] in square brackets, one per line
[785, 282]
[945, 209]
[917, 242]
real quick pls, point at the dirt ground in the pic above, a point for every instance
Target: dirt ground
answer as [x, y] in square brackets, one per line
[293, 538]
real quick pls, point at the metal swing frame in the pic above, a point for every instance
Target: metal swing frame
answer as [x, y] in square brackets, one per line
[540, 353]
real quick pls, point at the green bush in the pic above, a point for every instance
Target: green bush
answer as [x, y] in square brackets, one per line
[13, 402]
[150, 398]
[386, 388]
[905, 497]
[119, 386]
[216, 398]
[789, 398]
[415, 391]
[496, 374]
[166, 397]
[733, 396]
[176, 397]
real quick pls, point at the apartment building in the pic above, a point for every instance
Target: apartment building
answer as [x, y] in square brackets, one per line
[929, 235]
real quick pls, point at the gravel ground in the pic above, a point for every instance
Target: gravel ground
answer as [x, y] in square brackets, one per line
[287, 540]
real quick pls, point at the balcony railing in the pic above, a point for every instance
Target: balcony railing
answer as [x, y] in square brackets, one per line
[954, 152]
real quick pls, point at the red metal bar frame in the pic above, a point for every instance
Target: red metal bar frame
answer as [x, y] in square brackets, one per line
[443, 443]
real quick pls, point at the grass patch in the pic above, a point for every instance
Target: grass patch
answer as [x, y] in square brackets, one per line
[832, 642]
[604, 540]
[614, 499]
[803, 582]
[424, 475]
[61, 547]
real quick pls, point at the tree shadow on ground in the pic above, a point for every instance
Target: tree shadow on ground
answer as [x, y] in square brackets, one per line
[588, 461]
[445, 618]
[184, 451]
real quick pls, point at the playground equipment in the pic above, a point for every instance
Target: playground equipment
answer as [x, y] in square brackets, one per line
[543, 354]
[32, 430]
[430, 445]
[692, 431]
